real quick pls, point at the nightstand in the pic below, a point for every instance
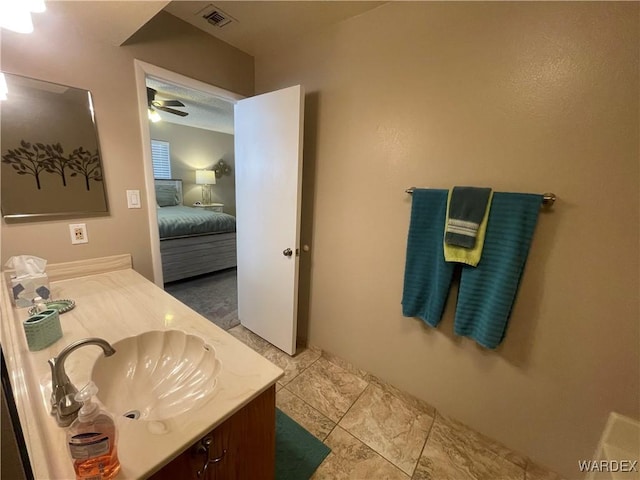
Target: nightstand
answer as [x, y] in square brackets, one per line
[213, 207]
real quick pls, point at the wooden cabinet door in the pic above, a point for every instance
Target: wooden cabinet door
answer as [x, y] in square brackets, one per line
[241, 448]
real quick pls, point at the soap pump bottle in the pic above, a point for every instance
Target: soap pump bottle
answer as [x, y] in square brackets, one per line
[39, 304]
[92, 439]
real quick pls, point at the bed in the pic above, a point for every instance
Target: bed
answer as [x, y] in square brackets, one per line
[193, 241]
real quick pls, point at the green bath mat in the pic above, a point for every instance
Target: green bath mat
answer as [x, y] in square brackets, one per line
[298, 453]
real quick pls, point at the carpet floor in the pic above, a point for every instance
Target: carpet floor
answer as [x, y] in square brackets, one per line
[214, 296]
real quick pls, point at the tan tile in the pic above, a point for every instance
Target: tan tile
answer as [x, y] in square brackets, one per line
[250, 339]
[313, 348]
[328, 388]
[455, 452]
[488, 443]
[345, 365]
[391, 426]
[303, 413]
[350, 459]
[292, 366]
[405, 397]
[538, 472]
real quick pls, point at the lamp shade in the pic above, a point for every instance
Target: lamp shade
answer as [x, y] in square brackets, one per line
[205, 177]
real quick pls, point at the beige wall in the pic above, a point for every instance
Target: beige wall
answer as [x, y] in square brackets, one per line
[525, 97]
[194, 149]
[60, 51]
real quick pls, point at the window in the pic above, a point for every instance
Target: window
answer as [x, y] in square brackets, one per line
[161, 159]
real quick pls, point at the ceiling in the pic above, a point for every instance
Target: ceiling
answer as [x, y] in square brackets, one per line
[256, 27]
[259, 26]
[205, 111]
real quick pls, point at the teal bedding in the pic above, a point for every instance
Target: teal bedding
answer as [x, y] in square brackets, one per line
[181, 221]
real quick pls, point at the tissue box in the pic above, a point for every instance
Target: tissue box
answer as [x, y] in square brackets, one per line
[27, 287]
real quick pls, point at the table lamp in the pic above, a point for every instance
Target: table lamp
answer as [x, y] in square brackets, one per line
[206, 178]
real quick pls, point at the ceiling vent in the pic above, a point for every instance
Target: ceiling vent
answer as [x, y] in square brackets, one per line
[215, 16]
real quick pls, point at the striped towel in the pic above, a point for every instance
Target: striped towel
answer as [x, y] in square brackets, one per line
[467, 208]
[427, 277]
[487, 292]
[470, 256]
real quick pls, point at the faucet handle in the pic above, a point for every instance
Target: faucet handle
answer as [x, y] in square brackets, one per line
[66, 410]
[63, 404]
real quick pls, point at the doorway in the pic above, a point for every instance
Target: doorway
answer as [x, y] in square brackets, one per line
[142, 71]
[192, 133]
[268, 130]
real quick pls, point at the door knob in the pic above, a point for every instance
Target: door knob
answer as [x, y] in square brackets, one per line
[287, 252]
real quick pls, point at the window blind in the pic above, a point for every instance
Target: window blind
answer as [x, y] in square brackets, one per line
[160, 154]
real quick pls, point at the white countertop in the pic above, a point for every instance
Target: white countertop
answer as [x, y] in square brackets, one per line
[113, 306]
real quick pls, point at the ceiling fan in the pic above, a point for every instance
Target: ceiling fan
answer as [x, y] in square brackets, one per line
[164, 105]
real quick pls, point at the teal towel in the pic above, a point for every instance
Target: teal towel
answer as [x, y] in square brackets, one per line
[467, 207]
[487, 292]
[427, 277]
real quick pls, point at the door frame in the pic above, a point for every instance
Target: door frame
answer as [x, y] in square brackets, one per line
[142, 70]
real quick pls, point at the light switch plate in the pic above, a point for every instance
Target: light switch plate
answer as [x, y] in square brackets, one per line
[133, 199]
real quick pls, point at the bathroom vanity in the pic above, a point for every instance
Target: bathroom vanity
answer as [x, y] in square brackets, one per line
[231, 431]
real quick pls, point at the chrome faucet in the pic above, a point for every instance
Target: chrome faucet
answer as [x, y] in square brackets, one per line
[63, 404]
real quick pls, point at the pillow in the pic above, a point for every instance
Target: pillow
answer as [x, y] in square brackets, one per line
[167, 195]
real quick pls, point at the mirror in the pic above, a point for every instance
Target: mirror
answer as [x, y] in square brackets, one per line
[50, 156]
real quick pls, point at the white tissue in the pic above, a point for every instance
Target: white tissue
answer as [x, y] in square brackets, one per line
[29, 281]
[25, 265]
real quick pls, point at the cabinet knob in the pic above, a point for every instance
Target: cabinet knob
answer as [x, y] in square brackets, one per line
[287, 252]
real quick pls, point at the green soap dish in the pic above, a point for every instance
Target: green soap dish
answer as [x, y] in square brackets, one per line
[62, 306]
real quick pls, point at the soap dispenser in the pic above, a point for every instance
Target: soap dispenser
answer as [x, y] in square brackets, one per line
[92, 439]
[39, 305]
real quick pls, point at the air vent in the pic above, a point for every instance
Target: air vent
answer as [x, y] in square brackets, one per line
[215, 16]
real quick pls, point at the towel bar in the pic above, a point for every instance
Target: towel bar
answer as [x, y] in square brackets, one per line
[547, 198]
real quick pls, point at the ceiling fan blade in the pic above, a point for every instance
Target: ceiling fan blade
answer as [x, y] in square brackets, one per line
[151, 94]
[167, 103]
[171, 110]
[164, 104]
[171, 103]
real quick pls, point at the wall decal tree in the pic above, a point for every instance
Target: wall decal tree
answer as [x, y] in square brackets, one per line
[28, 159]
[36, 158]
[86, 163]
[57, 162]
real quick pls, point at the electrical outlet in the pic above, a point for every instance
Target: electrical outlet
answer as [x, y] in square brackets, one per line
[78, 233]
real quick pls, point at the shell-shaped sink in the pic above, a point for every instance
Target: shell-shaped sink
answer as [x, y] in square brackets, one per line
[157, 375]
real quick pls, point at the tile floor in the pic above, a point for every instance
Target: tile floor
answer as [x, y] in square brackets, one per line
[375, 431]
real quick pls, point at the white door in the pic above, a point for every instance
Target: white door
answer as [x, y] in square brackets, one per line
[268, 159]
